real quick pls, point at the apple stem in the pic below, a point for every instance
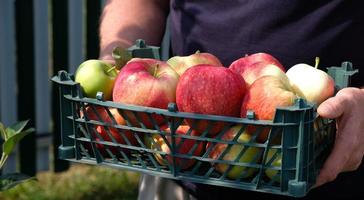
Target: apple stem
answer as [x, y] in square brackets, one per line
[317, 61]
[112, 68]
[155, 70]
[197, 52]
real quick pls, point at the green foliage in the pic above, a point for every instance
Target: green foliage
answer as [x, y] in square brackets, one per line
[11, 136]
[80, 182]
[8, 181]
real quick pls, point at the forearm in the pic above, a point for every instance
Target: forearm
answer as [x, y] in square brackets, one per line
[124, 21]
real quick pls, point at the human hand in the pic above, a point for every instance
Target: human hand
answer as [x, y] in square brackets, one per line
[347, 154]
[108, 59]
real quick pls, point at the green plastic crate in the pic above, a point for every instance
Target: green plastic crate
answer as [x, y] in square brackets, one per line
[296, 135]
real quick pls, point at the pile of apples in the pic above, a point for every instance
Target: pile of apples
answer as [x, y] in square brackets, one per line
[199, 83]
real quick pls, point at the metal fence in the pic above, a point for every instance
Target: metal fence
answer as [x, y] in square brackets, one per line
[37, 39]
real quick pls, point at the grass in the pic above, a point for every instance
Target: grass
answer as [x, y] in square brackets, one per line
[79, 182]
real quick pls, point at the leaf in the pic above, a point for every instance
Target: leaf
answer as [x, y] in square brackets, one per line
[8, 133]
[2, 131]
[121, 57]
[10, 143]
[8, 181]
[16, 128]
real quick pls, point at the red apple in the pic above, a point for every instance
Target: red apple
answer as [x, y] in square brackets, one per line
[212, 90]
[264, 96]
[252, 72]
[240, 64]
[183, 146]
[251, 155]
[107, 131]
[146, 82]
[182, 63]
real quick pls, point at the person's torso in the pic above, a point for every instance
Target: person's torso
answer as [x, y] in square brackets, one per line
[293, 31]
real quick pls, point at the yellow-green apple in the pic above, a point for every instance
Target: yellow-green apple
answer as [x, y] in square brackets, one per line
[243, 62]
[213, 90]
[182, 63]
[96, 76]
[107, 132]
[252, 72]
[275, 159]
[322, 129]
[146, 82]
[251, 154]
[263, 97]
[311, 83]
[182, 146]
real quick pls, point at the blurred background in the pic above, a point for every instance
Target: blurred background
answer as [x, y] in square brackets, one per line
[37, 39]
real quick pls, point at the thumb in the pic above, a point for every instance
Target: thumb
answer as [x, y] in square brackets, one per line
[332, 108]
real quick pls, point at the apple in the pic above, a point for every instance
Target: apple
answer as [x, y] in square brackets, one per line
[240, 64]
[96, 76]
[252, 72]
[311, 83]
[275, 159]
[146, 82]
[107, 131]
[264, 96]
[183, 146]
[212, 90]
[322, 130]
[251, 155]
[182, 63]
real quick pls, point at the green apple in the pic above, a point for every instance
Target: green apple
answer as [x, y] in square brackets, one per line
[250, 156]
[277, 162]
[96, 76]
[321, 130]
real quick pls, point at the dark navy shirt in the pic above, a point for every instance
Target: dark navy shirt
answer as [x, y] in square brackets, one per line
[293, 31]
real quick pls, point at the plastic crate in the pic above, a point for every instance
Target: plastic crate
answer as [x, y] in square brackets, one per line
[297, 136]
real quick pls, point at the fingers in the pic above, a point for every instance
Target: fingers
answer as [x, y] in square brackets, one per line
[354, 163]
[333, 166]
[332, 108]
[335, 163]
[344, 100]
[348, 151]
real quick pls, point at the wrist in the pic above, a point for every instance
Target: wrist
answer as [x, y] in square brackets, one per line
[106, 57]
[106, 48]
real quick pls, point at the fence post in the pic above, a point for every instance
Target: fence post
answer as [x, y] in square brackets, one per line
[26, 76]
[75, 34]
[8, 106]
[93, 10]
[60, 62]
[42, 82]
